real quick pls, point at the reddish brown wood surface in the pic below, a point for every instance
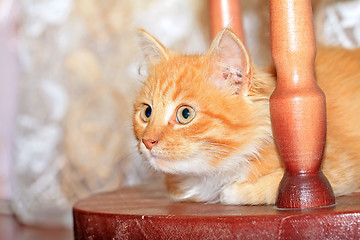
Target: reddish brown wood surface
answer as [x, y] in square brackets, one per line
[226, 13]
[297, 107]
[145, 212]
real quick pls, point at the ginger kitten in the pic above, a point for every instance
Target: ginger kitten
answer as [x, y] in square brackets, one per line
[204, 122]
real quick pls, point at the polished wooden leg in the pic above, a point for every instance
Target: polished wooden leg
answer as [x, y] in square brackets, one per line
[297, 107]
[226, 14]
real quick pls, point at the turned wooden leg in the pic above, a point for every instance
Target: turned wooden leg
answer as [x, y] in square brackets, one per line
[297, 107]
[226, 13]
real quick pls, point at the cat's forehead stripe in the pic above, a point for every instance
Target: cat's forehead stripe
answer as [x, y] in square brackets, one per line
[182, 86]
[167, 87]
[223, 119]
[171, 84]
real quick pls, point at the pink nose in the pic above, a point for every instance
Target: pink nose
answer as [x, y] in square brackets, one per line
[149, 143]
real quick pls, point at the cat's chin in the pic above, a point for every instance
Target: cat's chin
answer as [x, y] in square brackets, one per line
[162, 165]
[156, 163]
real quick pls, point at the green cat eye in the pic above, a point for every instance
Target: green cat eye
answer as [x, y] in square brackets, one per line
[185, 114]
[145, 113]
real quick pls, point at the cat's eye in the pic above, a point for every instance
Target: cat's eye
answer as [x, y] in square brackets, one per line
[185, 114]
[145, 113]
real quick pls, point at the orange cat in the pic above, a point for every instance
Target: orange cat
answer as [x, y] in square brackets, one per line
[204, 122]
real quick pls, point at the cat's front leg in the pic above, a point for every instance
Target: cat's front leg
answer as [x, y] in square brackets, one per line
[263, 191]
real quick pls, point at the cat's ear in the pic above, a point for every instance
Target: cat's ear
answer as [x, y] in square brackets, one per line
[152, 50]
[231, 62]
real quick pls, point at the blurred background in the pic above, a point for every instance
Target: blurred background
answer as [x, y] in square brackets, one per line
[69, 75]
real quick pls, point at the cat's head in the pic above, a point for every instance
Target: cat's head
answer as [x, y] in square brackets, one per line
[197, 114]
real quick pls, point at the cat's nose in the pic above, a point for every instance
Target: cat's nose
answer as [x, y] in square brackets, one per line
[149, 143]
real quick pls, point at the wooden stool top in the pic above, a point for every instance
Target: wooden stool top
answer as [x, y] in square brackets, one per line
[145, 212]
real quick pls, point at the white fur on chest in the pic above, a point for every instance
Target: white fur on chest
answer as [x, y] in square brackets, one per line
[207, 188]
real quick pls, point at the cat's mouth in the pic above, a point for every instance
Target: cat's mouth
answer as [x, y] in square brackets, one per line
[156, 155]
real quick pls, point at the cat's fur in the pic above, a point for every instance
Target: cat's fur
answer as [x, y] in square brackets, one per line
[227, 152]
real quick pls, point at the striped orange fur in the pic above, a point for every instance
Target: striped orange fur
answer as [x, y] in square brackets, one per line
[225, 151]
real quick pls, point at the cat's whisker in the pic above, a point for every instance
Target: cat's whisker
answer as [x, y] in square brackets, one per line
[224, 145]
[208, 148]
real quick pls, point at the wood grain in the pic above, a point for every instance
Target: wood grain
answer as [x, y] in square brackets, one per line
[298, 107]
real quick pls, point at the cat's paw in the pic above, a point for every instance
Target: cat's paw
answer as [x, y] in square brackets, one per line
[263, 191]
[238, 193]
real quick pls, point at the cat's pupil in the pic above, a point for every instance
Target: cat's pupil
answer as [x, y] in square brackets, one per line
[148, 112]
[186, 113]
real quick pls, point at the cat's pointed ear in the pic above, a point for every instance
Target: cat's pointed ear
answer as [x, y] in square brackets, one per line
[231, 62]
[152, 50]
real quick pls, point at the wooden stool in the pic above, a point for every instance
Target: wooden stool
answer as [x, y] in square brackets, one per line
[145, 212]
[298, 117]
